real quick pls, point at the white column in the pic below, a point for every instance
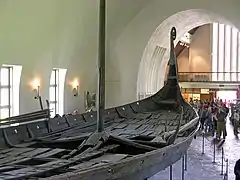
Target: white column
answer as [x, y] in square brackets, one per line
[221, 52]
[215, 29]
[234, 50]
[227, 48]
[238, 58]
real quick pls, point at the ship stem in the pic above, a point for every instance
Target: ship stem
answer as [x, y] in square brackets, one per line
[101, 66]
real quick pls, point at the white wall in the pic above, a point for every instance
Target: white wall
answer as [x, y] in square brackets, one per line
[200, 50]
[42, 34]
[197, 58]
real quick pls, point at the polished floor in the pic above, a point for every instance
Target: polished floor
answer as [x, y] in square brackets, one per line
[200, 166]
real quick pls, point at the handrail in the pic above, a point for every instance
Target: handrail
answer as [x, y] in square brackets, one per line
[209, 76]
[26, 117]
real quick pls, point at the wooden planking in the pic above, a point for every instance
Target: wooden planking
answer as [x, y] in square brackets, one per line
[34, 170]
[100, 161]
[16, 135]
[50, 153]
[57, 124]
[9, 158]
[75, 119]
[14, 152]
[38, 128]
[125, 111]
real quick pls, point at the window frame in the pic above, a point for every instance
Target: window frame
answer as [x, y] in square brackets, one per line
[55, 100]
[9, 87]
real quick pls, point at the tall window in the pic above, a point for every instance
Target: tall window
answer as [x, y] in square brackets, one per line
[56, 91]
[10, 76]
[225, 53]
[6, 92]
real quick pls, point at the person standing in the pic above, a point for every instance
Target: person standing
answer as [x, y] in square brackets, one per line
[235, 122]
[209, 121]
[221, 123]
[237, 170]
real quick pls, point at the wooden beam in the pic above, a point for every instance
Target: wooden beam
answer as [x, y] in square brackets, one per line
[101, 66]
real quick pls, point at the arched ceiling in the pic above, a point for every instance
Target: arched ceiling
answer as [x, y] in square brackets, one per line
[148, 80]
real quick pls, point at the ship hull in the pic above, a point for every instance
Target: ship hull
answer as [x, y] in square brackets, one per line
[136, 168]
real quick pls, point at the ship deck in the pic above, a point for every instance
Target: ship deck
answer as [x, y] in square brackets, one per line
[57, 152]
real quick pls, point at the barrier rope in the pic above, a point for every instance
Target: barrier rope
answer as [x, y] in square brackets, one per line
[224, 159]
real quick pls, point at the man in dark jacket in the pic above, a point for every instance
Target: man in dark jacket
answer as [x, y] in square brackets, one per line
[221, 122]
[237, 170]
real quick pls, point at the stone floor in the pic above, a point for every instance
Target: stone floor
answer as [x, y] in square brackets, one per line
[200, 166]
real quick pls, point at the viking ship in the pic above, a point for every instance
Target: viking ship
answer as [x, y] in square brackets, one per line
[139, 139]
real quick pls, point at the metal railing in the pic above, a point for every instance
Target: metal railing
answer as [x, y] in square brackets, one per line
[209, 76]
[224, 160]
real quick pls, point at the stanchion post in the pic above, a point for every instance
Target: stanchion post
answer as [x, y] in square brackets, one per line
[186, 159]
[183, 168]
[214, 150]
[222, 162]
[170, 173]
[226, 174]
[203, 143]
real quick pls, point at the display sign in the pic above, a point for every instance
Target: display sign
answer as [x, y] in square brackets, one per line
[204, 91]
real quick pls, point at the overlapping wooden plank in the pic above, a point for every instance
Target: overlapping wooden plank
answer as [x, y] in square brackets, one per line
[120, 120]
[142, 127]
[142, 115]
[35, 170]
[116, 131]
[147, 133]
[50, 153]
[6, 168]
[103, 160]
[15, 152]
[7, 177]
[29, 154]
[53, 164]
[19, 171]
[121, 126]
[19, 161]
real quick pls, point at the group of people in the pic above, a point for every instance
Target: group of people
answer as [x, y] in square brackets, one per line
[213, 119]
[212, 116]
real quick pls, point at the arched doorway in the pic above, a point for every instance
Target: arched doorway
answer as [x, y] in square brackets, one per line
[156, 53]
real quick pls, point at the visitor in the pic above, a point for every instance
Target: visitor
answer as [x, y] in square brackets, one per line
[209, 120]
[202, 115]
[221, 122]
[237, 170]
[235, 121]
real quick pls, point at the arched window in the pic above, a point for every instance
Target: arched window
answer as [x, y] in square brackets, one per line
[56, 91]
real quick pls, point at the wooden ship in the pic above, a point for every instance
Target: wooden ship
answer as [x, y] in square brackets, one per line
[132, 141]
